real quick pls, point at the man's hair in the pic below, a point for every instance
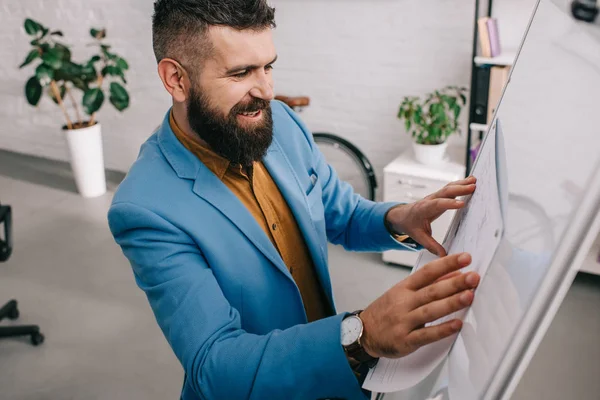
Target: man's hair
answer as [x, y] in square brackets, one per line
[179, 27]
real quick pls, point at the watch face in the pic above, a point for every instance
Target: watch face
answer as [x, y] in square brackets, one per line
[351, 330]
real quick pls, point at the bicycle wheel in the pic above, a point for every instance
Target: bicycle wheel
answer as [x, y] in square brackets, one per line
[349, 163]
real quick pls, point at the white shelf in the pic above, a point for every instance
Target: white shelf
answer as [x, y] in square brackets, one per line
[478, 127]
[506, 58]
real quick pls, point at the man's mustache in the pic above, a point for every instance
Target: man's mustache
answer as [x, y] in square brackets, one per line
[252, 106]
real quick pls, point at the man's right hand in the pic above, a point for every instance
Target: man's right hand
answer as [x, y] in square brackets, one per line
[394, 323]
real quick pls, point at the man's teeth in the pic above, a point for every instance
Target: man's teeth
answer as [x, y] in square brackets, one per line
[250, 114]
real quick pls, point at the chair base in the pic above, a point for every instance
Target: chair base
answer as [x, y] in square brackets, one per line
[10, 311]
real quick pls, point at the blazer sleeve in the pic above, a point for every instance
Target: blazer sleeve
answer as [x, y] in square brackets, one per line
[220, 359]
[352, 221]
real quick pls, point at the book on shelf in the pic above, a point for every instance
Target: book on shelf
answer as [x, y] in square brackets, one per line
[494, 37]
[489, 37]
[484, 37]
[498, 78]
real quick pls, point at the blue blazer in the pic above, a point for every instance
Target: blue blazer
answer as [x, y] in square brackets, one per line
[220, 292]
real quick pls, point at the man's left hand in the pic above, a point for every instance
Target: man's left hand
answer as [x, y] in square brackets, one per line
[415, 219]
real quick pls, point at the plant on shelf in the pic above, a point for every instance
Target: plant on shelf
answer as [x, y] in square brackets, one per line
[57, 75]
[432, 121]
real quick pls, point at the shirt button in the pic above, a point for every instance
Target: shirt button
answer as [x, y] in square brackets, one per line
[274, 226]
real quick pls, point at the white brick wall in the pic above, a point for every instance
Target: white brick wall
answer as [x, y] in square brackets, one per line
[355, 59]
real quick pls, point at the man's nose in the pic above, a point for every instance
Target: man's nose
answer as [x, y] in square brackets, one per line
[263, 88]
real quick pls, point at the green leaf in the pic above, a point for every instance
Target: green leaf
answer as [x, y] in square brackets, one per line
[98, 33]
[44, 73]
[62, 90]
[456, 110]
[64, 51]
[33, 91]
[88, 73]
[53, 58]
[94, 59]
[114, 71]
[80, 84]
[68, 71]
[121, 63]
[35, 42]
[57, 33]
[33, 54]
[109, 70]
[45, 31]
[32, 27]
[419, 116]
[92, 100]
[118, 96]
[107, 53]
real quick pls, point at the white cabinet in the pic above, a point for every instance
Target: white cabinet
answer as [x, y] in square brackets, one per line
[406, 180]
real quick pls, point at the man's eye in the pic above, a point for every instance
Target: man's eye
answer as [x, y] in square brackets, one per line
[242, 74]
[268, 68]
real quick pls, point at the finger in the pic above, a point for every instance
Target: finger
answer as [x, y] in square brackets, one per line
[467, 181]
[430, 244]
[448, 276]
[434, 270]
[441, 308]
[446, 288]
[421, 337]
[436, 207]
[454, 191]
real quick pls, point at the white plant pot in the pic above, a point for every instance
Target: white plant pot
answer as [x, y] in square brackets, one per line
[430, 154]
[87, 159]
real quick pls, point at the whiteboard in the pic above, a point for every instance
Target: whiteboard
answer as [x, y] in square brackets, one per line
[549, 116]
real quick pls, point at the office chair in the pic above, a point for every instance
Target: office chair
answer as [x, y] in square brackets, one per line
[10, 309]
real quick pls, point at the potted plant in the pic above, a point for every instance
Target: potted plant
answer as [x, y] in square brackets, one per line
[58, 76]
[431, 121]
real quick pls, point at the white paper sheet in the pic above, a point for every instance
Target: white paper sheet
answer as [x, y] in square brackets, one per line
[476, 229]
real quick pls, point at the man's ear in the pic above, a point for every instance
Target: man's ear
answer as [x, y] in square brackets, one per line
[174, 79]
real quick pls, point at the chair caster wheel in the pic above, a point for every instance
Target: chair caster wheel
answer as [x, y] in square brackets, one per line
[13, 314]
[37, 339]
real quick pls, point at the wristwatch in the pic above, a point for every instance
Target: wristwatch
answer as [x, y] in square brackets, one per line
[352, 330]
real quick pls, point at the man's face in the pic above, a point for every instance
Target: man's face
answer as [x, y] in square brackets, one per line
[229, 105]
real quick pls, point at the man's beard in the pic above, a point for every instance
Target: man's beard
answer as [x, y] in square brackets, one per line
[225, 136]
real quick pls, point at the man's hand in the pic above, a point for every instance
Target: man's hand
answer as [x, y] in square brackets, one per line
[394, 323]
[415, 219]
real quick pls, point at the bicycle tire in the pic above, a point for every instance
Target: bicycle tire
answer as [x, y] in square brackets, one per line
[362, 162]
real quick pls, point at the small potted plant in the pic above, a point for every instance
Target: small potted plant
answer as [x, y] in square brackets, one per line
[431, 121]
[58, 76]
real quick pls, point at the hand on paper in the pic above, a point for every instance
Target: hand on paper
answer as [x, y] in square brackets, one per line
[415, 219]
[394, 324]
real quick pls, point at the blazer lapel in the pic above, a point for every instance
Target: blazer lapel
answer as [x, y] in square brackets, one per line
[289, 185]
[210, 188]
